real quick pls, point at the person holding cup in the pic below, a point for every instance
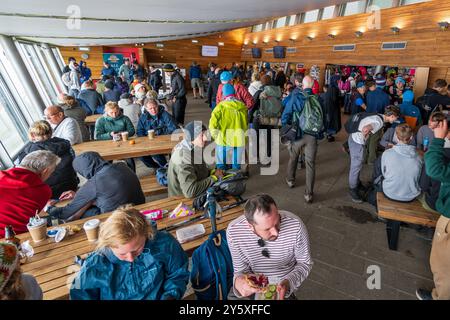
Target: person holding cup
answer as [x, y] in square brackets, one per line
[132, 261]
[155, 121]
[113, 123]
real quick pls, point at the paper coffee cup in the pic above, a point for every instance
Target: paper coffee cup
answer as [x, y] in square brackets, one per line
[151, 134]
[38, 233]
[124, 136]
[91, 227]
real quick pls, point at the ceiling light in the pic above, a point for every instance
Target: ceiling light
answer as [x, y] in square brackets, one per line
[84, 48]
[443, 25]
[194, 41]
[309, 38]
[395, 30]
[292, 39]
[359, 34]
[160, 45]
[265, 42]
[255, 42]
[221, 44]
[331, 36]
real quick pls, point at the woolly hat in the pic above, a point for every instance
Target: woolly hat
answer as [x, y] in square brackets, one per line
[380, 80]
[228, 90]
[9, 260]
[360, 84]
[138, 87]
[408, 96]
[168, 68]
[193, 129]
[125, 95]
[226, 76]
[400, 79]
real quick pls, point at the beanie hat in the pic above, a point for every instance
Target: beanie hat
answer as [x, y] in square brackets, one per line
[125, 96]
[138, 87]
[408, 96]
[109, 84]
[193, 129]
[9, 260]
[227, 90]
[168, 68]
[226, 76]
[400, 79]
[380, 80]
[360, 84]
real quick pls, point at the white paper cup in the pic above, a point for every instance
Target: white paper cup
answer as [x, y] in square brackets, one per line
[151, 134]
[91, 227]
[124, 136]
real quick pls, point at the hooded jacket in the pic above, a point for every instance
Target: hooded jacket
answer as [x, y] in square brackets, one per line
[162, 123]
[186, 176]
[411, 114]
[92, 98]
[158, 273]
[108, 187]
[178, 87]
[79, 114]
[213, 88]
[242, 94]
[229, 115]
[105, 125]
[401, 167]
[437, 168]
[390, 137]
[155, 79]
[270, 101]
[22, 193]
[131, 110]
[64, 177]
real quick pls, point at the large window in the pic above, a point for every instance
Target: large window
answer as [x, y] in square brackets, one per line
[40, 72]
[382, 4]
[405, 2]
[354, 7]
[328, 12]
[257, 28]
[311, 16]
[58, 57]
[280, 22]
[292, 20]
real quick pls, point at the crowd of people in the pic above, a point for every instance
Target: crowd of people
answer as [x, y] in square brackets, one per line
[386, 129]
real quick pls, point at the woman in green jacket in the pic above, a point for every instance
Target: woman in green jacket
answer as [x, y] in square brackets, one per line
[112, 122]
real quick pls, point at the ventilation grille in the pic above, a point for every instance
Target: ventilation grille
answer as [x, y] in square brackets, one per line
[393, 45]
[344, 47]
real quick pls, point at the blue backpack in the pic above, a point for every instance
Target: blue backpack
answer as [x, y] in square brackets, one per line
[161, 175]
[212, 268]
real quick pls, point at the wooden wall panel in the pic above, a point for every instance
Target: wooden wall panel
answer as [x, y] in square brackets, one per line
[427, 46]
[95, 60]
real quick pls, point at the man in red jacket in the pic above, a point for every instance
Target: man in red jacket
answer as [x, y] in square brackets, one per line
[23, 191]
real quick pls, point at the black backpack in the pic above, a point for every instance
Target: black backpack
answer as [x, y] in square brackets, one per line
[425, 107]
[352, 124]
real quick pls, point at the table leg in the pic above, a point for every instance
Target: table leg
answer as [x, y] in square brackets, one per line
[393, 230]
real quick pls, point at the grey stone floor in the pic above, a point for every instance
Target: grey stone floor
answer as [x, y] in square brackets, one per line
[345, 238]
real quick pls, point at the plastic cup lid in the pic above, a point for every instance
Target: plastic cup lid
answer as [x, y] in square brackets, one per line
[60, 234]
[91, 224]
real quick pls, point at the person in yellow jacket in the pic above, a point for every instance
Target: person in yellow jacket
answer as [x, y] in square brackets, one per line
[228, 126]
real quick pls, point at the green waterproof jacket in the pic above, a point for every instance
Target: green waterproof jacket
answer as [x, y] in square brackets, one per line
[229, 123]
[105, 125]
[187, 173]
[437, 169]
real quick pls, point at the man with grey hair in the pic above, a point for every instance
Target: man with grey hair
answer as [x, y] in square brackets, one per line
[63, 127]
[23, 190]
[302, 140]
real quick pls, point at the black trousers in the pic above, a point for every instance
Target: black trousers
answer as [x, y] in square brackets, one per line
[178, 109]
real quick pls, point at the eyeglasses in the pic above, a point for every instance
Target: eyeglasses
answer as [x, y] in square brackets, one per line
[50, 115]
[265, 251]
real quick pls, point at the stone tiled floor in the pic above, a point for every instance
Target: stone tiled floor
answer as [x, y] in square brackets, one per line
[345, 238]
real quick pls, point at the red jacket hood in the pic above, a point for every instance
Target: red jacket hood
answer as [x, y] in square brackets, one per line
[18, 178]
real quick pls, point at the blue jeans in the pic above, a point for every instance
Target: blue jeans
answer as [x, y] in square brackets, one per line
[222, 157]
[213, 104]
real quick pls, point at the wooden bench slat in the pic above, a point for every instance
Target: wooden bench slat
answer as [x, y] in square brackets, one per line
[151, 187]
[411, 212]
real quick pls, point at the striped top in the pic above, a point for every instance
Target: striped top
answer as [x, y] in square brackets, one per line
[290, 256]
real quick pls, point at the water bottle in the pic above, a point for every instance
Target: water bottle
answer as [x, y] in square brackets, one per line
[426, 143]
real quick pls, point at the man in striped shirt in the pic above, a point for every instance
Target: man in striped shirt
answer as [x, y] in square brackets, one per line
[268, 241]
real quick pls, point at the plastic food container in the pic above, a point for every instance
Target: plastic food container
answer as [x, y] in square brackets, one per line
[190, 233]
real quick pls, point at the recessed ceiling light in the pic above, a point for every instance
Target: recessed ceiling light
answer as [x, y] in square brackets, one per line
[221, 44]
[194, 41]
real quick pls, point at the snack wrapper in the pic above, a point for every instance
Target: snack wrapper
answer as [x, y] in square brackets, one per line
[181, 210]
[154, 214]
[26, 249]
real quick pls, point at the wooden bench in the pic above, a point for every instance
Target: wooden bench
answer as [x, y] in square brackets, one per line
[408, 212]
[151, 187]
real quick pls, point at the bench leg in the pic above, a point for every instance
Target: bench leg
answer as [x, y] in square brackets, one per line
[392, 229]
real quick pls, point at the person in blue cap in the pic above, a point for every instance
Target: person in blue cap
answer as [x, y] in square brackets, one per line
[399, 88]
[358, 98]
[228, 126]
[225, 77]
[410, 113]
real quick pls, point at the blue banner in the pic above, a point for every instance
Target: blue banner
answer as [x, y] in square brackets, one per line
[114, 59]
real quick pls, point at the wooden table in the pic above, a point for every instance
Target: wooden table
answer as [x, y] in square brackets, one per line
[90, 120]
[53, 263]
[112, 150]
